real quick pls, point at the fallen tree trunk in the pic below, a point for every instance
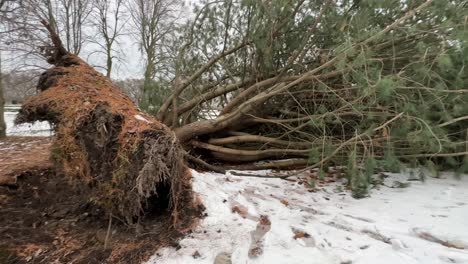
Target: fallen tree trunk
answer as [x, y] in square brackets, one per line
[131, 162]
[315, 102]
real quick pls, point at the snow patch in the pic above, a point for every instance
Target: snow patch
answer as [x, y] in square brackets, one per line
[37, 129]
[139, 117]
[325, 226]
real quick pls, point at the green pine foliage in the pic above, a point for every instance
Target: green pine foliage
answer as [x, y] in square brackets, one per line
[397, 99]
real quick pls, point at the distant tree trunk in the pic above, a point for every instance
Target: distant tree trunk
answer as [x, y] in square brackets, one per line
[108, 61]
[2, 104]
[108, 17]
[2, 99]
[74, 15]
[154, 20]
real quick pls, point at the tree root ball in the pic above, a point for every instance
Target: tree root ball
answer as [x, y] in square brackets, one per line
[128, 161]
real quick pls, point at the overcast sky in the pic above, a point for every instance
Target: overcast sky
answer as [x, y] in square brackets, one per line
[131, 63]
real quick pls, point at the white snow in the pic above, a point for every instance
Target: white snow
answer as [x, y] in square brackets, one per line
[139, 117]
[393, 225]
[424, 223]
[29, 129]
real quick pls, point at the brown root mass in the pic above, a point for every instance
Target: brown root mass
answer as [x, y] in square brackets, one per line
[129, 162]
[45, 219]
[45, 222]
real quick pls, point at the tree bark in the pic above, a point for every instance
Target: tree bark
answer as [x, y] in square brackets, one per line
[2, 105]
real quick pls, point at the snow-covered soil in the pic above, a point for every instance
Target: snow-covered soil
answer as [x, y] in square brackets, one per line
[34, 129]
[258, 220]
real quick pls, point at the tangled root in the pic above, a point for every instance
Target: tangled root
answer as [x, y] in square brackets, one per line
[127, 160]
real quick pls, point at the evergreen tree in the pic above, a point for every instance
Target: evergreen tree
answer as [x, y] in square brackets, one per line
[384, 80]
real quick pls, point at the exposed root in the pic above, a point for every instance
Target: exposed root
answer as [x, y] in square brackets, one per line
[458, 244]
[130, 162]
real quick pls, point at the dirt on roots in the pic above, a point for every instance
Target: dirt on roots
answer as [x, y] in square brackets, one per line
[46, 218]
[129, 161]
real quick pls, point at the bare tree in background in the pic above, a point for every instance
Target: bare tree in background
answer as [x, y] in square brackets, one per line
[4, 11]
[2, 104]
[24, 37]
[108, 18]
[21, 39]
[67, 17]
[131, 86]
[155, 21]
[73, 17]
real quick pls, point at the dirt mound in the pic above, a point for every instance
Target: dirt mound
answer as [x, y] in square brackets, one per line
[125, 157]
[44, 221]
[21, 154]
[119, 166]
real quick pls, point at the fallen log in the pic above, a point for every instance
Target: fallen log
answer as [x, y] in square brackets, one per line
[130, 162]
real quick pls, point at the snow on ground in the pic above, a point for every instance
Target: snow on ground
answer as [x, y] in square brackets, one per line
[258, 220]
[424, 223]
[34, 129]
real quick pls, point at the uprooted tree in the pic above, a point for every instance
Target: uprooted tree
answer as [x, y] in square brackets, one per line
[364, 84]
[355, 83]
[130, 162]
